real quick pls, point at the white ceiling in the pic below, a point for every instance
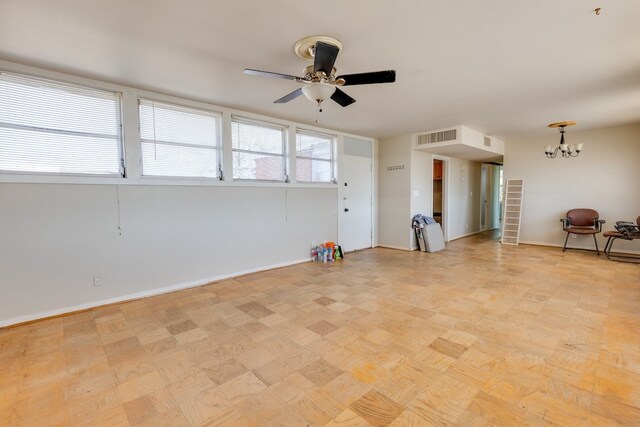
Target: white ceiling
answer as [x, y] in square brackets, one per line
[503, 67]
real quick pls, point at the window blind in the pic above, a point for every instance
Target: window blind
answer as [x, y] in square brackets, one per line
[178, 141]
[58, 128]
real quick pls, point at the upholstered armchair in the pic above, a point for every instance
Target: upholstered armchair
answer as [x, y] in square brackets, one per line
[582, 222]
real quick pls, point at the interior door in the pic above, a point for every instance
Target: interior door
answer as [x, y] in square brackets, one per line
[356, 193]
[483, 198]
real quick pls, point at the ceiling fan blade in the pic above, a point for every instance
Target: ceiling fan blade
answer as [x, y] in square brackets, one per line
[325, 57]
[388, 76]
[251, 72]
[342, 98]
[293, 95]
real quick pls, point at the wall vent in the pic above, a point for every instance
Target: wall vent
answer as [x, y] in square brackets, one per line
[395, 168]
[487, 141]
[442, 136]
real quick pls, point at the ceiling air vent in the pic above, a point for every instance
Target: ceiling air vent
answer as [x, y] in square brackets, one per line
[487, 141]
[442, 136]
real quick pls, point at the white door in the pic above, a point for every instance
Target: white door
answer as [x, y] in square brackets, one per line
[356, 204]
[483, 198]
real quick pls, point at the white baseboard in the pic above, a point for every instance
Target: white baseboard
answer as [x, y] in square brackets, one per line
[465, 235]
[138, 295]
[552, 245]
[395, 247]
[556, 245]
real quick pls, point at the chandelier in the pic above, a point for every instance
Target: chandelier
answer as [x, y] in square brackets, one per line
[565, 149]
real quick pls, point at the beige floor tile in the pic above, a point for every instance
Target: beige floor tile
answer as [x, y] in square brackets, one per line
[492, 335]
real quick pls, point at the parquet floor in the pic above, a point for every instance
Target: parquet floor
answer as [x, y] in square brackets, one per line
[476, 335]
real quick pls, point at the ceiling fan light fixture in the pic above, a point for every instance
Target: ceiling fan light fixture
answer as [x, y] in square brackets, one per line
[319, 80]
[318, 92]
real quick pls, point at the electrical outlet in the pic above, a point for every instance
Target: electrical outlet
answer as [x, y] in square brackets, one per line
[97, 281]
[466, 226]
[573, 236]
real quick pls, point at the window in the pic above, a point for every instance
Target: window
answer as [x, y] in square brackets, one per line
[178, 141]
[58, 128]
[258, 150]
[315, 154]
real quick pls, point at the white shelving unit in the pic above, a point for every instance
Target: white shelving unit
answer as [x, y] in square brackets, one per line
[512, 211]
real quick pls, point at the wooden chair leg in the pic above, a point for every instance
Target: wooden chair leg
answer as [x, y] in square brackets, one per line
[596, 240]
[564, 248]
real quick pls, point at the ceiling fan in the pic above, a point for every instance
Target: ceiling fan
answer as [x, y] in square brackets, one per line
[320, 80]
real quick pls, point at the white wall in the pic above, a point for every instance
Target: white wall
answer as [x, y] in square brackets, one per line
[475, 138]
[57, 237]
[58, 232]
[421, 187]
[404, 193]
[464, 198]
[604, 177]
[394, 214]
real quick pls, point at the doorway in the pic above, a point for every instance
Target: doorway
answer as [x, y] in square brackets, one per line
[490, 196]
[484, 196]
[355, 195]
[438, 194]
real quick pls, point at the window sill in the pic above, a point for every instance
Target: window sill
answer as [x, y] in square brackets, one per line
[149, 181]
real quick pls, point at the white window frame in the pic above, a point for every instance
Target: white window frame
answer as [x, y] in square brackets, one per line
[129, 146]
[52, 82]
[261, 123]
[179, 107]
[332, 161]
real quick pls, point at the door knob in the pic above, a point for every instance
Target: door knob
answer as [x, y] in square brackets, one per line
[346, 209]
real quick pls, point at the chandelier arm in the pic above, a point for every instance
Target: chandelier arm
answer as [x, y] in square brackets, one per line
[565, 150]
